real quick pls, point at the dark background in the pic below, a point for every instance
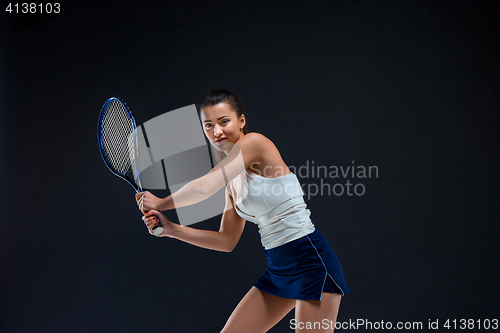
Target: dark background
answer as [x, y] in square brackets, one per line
[409, 86]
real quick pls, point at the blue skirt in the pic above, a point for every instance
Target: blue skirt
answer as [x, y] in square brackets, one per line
[303, 269]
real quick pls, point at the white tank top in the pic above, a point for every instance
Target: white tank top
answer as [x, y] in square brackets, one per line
[276, 205]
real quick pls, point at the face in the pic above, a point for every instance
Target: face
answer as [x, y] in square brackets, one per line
[222, 125]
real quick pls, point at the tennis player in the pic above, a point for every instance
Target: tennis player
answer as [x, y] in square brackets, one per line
[303, 271]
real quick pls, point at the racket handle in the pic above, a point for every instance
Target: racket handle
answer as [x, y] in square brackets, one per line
[157, 230]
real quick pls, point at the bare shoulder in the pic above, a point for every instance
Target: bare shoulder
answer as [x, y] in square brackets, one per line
[256, 141]
[260, 153]
[262, 156]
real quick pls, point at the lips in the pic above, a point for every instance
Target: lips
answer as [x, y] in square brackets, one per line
[221, 140]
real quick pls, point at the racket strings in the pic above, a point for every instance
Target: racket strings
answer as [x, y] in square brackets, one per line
[115, 148]
[118, 148]
[118, 137]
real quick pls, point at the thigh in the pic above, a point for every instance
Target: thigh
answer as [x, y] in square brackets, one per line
[257, 312]
[317, 316]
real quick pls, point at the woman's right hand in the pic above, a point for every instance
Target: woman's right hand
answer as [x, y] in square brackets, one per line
[153, 217]
[147, 201]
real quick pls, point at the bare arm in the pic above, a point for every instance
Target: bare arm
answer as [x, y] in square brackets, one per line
[224, 240]
[248, 150]
[206, 186]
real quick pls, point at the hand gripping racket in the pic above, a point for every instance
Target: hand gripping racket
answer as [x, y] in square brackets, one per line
[117, 138]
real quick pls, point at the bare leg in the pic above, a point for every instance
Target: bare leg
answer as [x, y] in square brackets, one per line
[323, 313]
[257, 312]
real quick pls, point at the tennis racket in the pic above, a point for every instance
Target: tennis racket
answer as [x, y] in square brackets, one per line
[117, 138]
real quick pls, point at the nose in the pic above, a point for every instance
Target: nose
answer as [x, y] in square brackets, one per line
[217, 130]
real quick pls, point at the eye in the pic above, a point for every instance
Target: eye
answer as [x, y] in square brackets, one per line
[224, 121]
[208, 125]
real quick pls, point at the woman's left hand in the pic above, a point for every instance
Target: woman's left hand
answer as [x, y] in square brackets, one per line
[147, 201]
[153, 218]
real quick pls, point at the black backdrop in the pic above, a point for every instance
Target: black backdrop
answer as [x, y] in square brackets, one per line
[408, 86]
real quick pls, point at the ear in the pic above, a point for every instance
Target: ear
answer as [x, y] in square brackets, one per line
[242, 121]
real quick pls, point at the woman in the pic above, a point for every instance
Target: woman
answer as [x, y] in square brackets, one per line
[303, 271]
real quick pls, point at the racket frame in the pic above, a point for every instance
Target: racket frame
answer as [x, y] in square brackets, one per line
[157, 230]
